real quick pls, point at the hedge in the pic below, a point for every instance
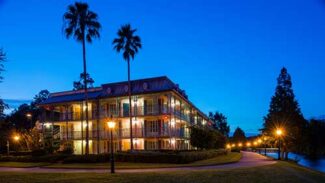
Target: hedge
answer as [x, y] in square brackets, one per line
[173, 157]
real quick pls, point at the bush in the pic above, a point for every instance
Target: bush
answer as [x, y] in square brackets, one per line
[148, 157]
[38, 152]
[174, 157]
[52, 158]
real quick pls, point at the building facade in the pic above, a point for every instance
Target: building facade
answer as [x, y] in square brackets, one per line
[161, 117]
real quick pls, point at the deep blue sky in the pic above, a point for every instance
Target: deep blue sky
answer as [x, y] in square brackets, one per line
[225, 54]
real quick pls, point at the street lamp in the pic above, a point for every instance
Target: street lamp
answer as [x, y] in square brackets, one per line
[264, 139]
[29, 117]
[111, 126]
[16, 138]
[279, 133]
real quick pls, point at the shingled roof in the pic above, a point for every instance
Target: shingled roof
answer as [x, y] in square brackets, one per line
[141, 86]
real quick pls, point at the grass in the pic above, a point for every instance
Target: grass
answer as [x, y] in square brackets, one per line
[222, 159]
[281, 172]
[21, 164]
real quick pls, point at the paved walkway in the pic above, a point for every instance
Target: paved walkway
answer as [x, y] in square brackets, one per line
[249, 159]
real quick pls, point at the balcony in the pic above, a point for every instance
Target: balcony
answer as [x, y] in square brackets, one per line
[124, 133]
[147, 110]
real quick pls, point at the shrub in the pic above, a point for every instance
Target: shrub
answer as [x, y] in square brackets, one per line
[148, 157]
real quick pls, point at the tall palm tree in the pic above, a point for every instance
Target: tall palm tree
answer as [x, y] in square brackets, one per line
[129, 44]
[83, 25]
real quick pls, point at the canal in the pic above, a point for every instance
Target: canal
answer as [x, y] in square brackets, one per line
[316, 164]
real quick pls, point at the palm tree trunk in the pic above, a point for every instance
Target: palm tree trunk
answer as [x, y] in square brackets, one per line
[130, 108]
[86, 93]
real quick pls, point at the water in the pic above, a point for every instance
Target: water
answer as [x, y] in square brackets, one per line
[316, 164]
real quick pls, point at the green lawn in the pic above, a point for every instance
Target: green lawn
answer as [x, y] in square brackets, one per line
[229, 158]
[21, 164]
[281, 172]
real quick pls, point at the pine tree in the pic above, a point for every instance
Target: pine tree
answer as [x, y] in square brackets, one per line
[239, 135]
[285, 113]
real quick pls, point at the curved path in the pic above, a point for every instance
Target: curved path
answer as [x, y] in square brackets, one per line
[249, 159]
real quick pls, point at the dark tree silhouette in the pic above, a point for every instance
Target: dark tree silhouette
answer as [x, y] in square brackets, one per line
[40, 97]
[239, 135]
[83, 25]
[129, 44]
[2, 59]
[284, 112]
[78, 85]
[3, 106]
[220, 123]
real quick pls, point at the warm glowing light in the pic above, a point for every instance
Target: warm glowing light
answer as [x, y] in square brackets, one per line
[240, 145]
[278, 132]
[47, 125]
[28, 115]
[228, 146]
[259, 141]
[255, 143]
[248, 144]
[16, 137]
[173, 104]
[233, 145]
[173, 141]
[135, 141]
[172, 123]
[136, 122]
[111, 124]
[264, 138]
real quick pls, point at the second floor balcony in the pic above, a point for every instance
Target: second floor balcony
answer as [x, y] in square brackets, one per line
[125, 133]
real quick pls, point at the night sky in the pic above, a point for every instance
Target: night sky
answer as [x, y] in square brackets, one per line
[225, 54]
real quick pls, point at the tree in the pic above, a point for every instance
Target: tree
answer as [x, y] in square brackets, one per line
[2, 59]
[40, 97]
[78, 85]
[205, 138]
[220, 123]
[129, 44]
[83, 25]
[239, 135]
[3, 106]
[316, 135]
[285, 113]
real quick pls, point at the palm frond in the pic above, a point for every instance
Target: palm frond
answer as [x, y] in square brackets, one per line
[80, 22]
[127, 42]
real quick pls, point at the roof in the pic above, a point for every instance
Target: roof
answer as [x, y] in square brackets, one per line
[141, 86]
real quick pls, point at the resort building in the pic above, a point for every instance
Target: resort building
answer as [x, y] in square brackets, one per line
[161, 116]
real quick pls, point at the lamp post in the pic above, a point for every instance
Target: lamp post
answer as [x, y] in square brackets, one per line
[264, 139]
[278, 133]
[111, 126]
[16, 138]
[259, 142]
[29, 117]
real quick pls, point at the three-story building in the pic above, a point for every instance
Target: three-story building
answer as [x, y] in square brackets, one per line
[161, 116]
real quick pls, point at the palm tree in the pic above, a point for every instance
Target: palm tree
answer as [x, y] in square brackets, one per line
[129, 44]
[83, 25]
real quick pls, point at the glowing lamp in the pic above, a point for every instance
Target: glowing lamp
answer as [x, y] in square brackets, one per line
[111, 124]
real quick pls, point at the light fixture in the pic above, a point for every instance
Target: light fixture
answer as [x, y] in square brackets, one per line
[111, 124]
[16, 137]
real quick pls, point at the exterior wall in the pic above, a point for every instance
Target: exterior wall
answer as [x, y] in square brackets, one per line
[160, 121]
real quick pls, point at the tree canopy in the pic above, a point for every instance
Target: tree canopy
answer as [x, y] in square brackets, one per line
[206, 138]
[284, 112]
[220, 123]
[239, 135]
[78, 85]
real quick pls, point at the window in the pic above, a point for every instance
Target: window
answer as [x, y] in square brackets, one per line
[112, 109]
[152, 145]
[152, 126]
